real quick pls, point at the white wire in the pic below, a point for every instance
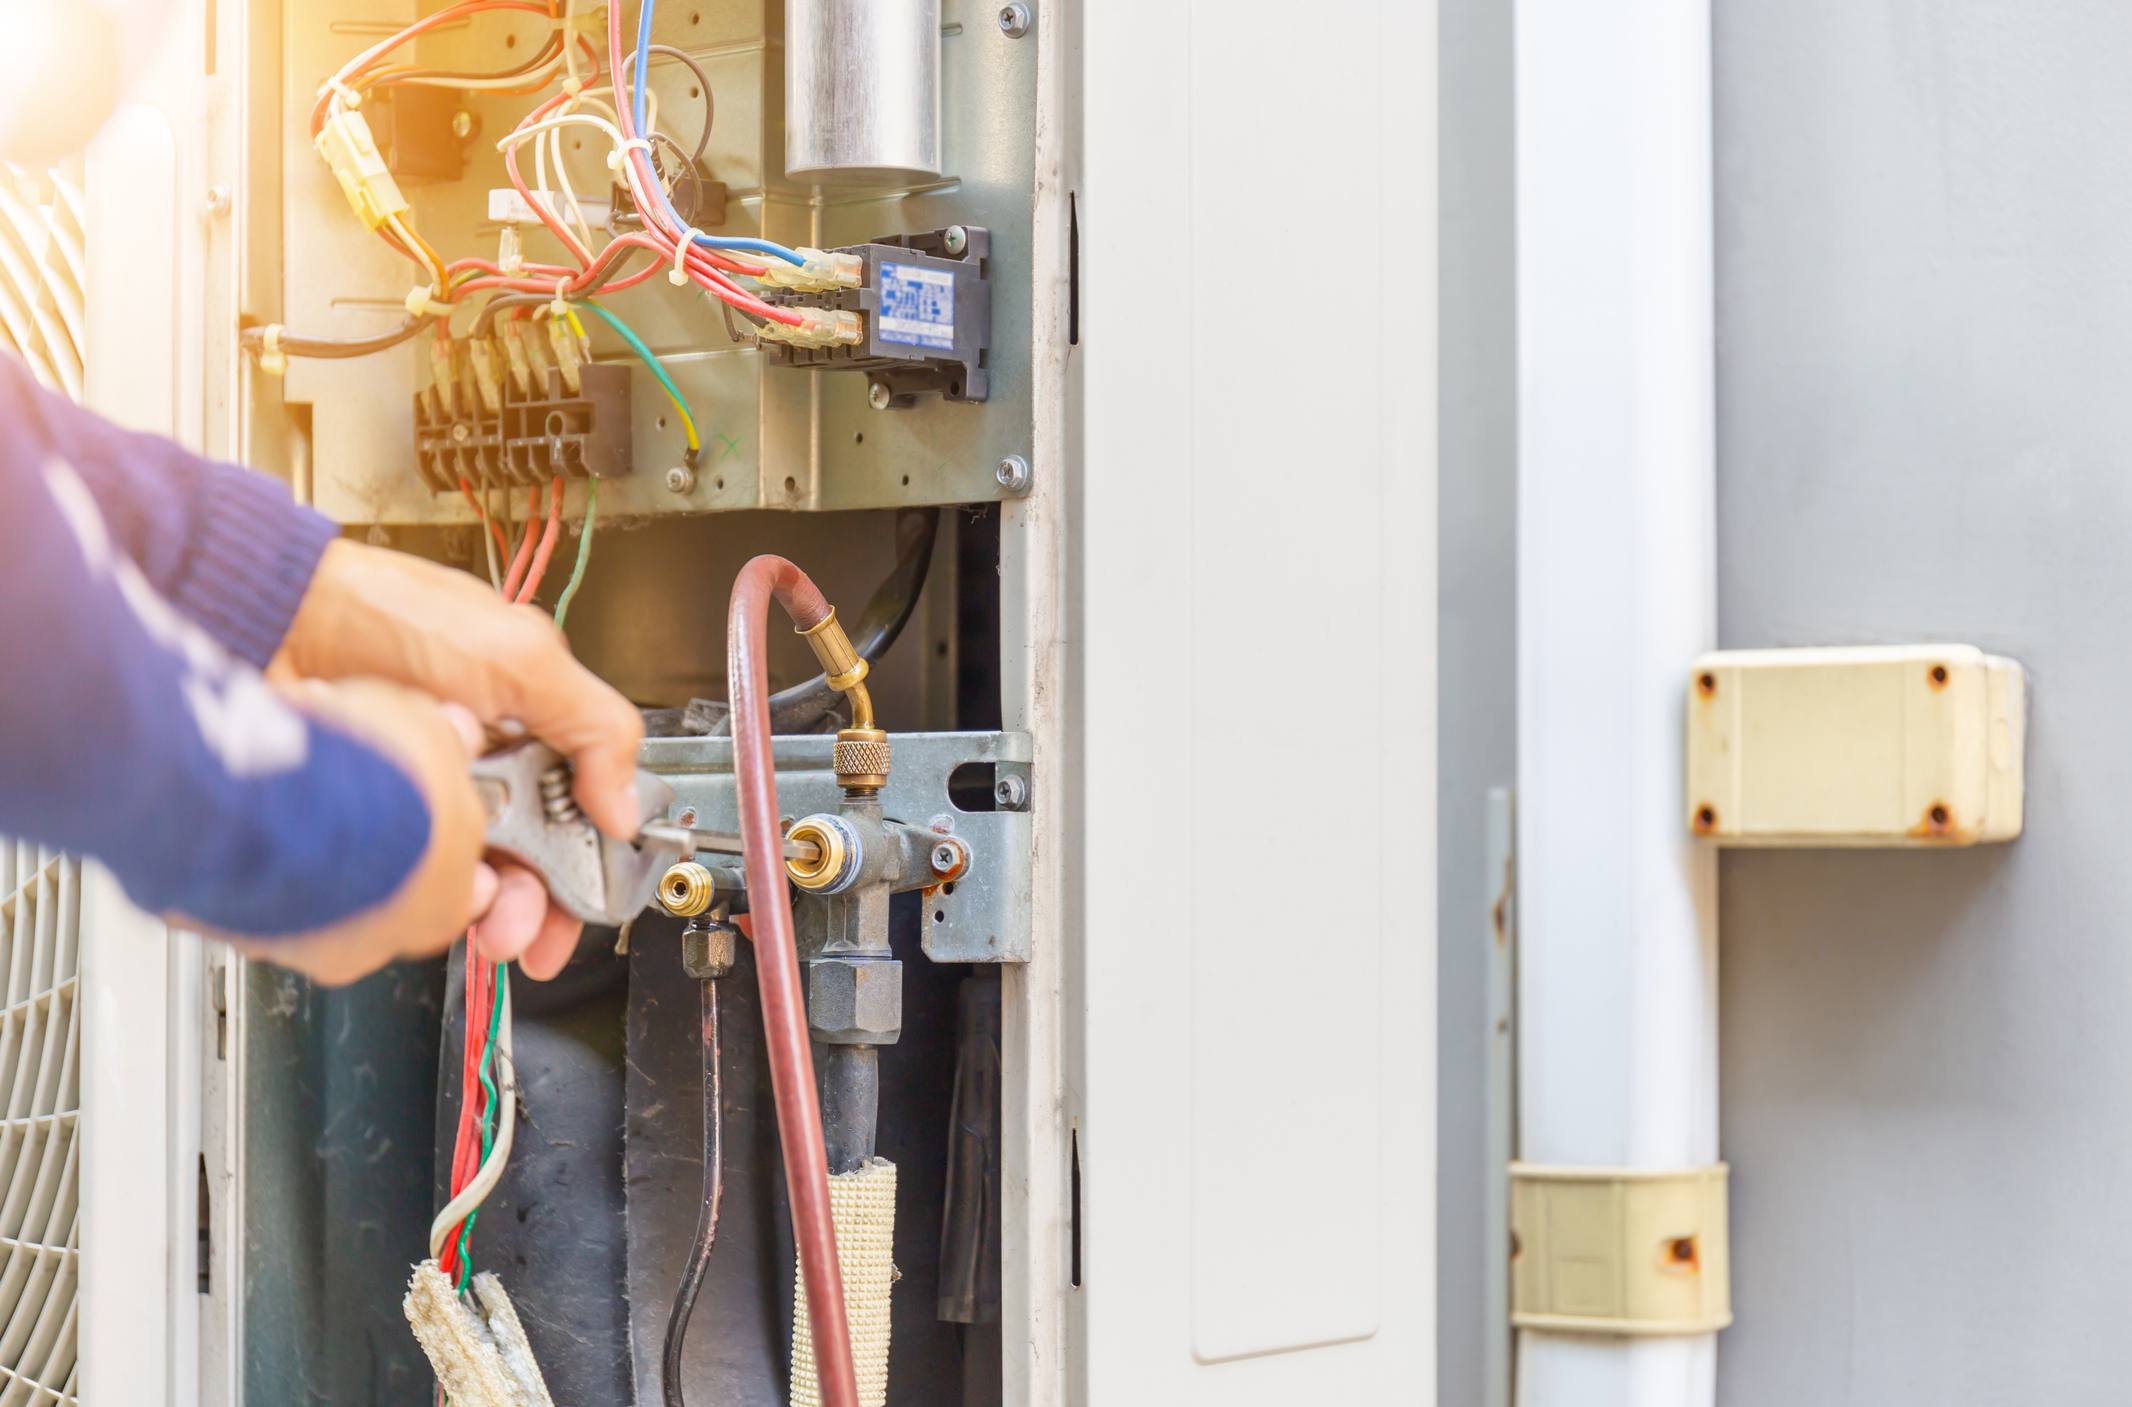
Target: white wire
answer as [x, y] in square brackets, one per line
[477, 1191]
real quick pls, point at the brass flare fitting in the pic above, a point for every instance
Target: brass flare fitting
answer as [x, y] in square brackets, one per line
[834, 854]
[687, 889]
[862, 749]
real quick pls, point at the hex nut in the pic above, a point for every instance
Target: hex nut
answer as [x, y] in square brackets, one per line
[855, 1001]
[1010, 792]
[709, 949]
[680, 478]
[1014, 20]
[1013, 474]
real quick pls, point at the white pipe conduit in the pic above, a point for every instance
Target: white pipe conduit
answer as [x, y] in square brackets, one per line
[1616, 596]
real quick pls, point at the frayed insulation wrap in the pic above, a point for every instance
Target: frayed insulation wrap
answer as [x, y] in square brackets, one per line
[863, 1207]
[481, 1362]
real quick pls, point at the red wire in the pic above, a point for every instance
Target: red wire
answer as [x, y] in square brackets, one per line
[548, 540]
[466, 1147]
[525, 546]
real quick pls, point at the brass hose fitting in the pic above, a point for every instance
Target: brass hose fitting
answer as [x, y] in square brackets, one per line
[836, 854]
[862, 749]
[686, 889]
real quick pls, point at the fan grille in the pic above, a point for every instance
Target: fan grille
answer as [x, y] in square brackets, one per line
[40, 1150]
[40, 892]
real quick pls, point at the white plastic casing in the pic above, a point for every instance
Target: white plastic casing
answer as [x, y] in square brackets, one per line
[1911, 745]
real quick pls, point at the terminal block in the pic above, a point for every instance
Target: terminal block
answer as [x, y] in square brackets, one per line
[925, 310]
[499, 412]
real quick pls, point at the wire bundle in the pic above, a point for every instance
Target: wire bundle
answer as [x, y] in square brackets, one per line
[488, 1113]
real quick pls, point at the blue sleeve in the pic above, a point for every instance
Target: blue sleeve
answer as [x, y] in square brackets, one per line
[222, 544]
[127, 732]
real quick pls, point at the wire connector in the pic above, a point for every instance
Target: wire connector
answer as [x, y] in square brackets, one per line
[822, 270]
[819, 327]
[510, 251]
[347, 146]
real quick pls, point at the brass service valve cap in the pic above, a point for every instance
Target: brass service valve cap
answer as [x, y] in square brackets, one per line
[686, 889]
[862, 758]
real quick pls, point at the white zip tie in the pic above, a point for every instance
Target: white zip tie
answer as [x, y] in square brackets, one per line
[347, 95]
[620, 154]
[675, 275]
[559, 308]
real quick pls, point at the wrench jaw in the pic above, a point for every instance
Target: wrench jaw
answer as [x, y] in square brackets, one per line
[593, 876]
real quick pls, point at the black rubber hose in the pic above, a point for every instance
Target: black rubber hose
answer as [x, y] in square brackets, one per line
[799, 708]
[699, 1254]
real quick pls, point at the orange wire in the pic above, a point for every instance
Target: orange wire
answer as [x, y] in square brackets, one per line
[483, 513]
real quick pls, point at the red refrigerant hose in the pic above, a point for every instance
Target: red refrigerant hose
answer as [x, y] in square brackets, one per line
[784, 1014]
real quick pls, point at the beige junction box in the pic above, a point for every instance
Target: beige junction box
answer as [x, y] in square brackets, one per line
[1905, 745]
[1855, 747]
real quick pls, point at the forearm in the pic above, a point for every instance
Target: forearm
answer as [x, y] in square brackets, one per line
[127, 734]
[225, 546]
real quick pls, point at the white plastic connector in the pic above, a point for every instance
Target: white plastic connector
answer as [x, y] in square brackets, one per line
[510, 250]
[272, 359]
[509, 207]
[347, 146]
[823, 269]
[819, 327]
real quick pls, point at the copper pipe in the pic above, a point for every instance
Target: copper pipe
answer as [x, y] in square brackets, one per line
[784, 1014]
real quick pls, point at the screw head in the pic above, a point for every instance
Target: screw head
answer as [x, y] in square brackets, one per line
[946, 856]
[878, 395]
[1013, 474]
[1010, 791]
[218, 201]
[460, 433]
[955, 238]
[680, 479]
[1014, 20]
[462, 124]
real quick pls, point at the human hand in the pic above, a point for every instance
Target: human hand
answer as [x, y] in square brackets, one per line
[388, 615]
[451, 886]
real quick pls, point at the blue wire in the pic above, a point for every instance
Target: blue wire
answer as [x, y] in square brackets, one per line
[760, 246]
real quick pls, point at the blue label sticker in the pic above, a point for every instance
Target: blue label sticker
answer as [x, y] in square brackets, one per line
[917, 306]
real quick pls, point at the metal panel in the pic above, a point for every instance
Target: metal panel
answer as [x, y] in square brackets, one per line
[983, 917]
[1255, 635]
[773, 437]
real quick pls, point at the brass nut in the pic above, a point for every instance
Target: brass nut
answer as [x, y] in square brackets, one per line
[862, 757]
[686, 889]
[836, 854]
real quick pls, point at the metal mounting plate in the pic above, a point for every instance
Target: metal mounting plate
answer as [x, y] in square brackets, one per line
[986, 918]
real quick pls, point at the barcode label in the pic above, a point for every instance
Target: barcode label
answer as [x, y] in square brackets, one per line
[917, 306]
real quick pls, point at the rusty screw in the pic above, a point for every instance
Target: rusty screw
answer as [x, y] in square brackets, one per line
[1706, 818]
[1938, 816]
[946, 856]
[1706, 684]
[1682, 1251]
[1938, 676]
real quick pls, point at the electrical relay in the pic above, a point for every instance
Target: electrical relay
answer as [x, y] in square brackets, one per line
[925, 302]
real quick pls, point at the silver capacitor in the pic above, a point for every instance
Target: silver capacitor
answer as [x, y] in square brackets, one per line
[862, 91]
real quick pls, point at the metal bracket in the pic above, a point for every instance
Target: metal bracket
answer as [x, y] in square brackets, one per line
[981, 917]
[1619, 1250]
